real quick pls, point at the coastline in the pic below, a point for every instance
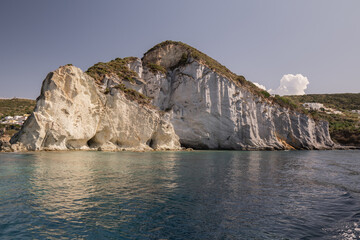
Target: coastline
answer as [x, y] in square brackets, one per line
[6, 147]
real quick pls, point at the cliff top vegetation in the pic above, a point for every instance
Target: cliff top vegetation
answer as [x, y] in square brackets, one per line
[117, 66]
[199, 56]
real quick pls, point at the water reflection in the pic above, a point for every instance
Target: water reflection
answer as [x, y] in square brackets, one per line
[82, 187]
[60, 190]
[188, 195]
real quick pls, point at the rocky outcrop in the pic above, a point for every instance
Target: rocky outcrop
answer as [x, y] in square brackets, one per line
[210, 111]
[72, 112]
[201, 104]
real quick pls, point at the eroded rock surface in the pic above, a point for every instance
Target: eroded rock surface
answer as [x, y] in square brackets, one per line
[73, 113]
[209, 111]
[198, 106]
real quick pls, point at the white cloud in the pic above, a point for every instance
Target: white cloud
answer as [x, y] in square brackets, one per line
[260, 86]
[291, 85]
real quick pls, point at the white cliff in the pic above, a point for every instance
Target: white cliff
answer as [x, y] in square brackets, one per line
[73, 113]
[201, 106]
[210, 111]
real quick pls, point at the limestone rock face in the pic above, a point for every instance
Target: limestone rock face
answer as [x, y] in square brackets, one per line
[72, 112]
[167, 56]
[209, 111]
[200, 106]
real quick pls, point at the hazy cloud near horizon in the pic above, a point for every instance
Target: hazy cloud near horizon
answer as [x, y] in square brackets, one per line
[259, 85]
[291, 84]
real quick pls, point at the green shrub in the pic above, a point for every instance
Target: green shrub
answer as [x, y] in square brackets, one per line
[265, 94]
[241, 79]
[285, 102]
[129, 78]
[132, 95]
[183, 60]
[117, 66]
[120, 86]
[155, 68]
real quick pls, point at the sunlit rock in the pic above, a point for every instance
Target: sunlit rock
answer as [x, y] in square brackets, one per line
[73, 113]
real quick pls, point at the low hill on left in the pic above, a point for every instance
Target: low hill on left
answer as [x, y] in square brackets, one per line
[13, 113]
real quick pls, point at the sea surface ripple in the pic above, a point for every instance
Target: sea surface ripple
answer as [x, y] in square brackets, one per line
[180, 195]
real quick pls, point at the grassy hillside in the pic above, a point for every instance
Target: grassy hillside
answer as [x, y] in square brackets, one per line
[341, 101]
[119, 67]
[16, 106]
[345, 128]
[12, 107]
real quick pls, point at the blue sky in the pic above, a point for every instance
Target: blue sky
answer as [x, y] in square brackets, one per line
[262, 40]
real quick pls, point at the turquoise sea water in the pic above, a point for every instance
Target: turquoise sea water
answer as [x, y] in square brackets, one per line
[180, 195]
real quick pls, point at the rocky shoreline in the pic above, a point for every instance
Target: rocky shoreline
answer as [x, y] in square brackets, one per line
[6, 147]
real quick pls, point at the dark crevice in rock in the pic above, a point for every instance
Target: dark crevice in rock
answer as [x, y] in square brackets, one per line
[150, 143]
[91, 143]
[196, 146]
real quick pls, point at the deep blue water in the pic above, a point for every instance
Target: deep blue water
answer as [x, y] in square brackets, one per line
[180, 195]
